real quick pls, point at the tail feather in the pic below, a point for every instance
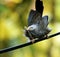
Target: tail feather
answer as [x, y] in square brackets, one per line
[39, 6]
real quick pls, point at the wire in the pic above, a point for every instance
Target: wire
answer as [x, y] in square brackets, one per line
[26, 44]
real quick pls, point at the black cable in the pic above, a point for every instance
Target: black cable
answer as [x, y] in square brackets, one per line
[26, 44]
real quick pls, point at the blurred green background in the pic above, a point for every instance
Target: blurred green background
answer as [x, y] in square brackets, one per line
[13, 19]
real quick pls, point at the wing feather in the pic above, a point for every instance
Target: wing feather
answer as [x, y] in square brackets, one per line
[45, 20]
[33, 17]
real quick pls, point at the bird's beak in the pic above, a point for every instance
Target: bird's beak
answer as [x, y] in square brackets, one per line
[28, 28]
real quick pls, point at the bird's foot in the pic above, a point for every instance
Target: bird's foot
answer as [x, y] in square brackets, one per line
[46, 36]
[33, 40]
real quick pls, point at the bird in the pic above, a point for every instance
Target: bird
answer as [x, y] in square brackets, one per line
[37, 25]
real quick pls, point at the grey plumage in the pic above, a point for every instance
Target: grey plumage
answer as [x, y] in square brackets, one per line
[37, 25]
[35, 19]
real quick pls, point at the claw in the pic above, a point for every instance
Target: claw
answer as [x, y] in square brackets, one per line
[46, 36]
[33, 40]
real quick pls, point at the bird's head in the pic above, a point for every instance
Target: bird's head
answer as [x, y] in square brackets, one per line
[32, 27]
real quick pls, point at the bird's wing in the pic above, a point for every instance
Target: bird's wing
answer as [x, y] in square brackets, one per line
[45, 20]
[31, 14]
[39, 6]
[33, 17]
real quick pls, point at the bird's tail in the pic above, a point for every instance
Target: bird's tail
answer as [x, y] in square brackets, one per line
[39, 6]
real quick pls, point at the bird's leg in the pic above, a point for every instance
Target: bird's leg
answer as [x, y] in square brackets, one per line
[31, 37]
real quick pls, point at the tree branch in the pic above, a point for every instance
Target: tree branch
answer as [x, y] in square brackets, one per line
[26, 44]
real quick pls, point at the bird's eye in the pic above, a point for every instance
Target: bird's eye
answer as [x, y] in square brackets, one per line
[31, 28]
